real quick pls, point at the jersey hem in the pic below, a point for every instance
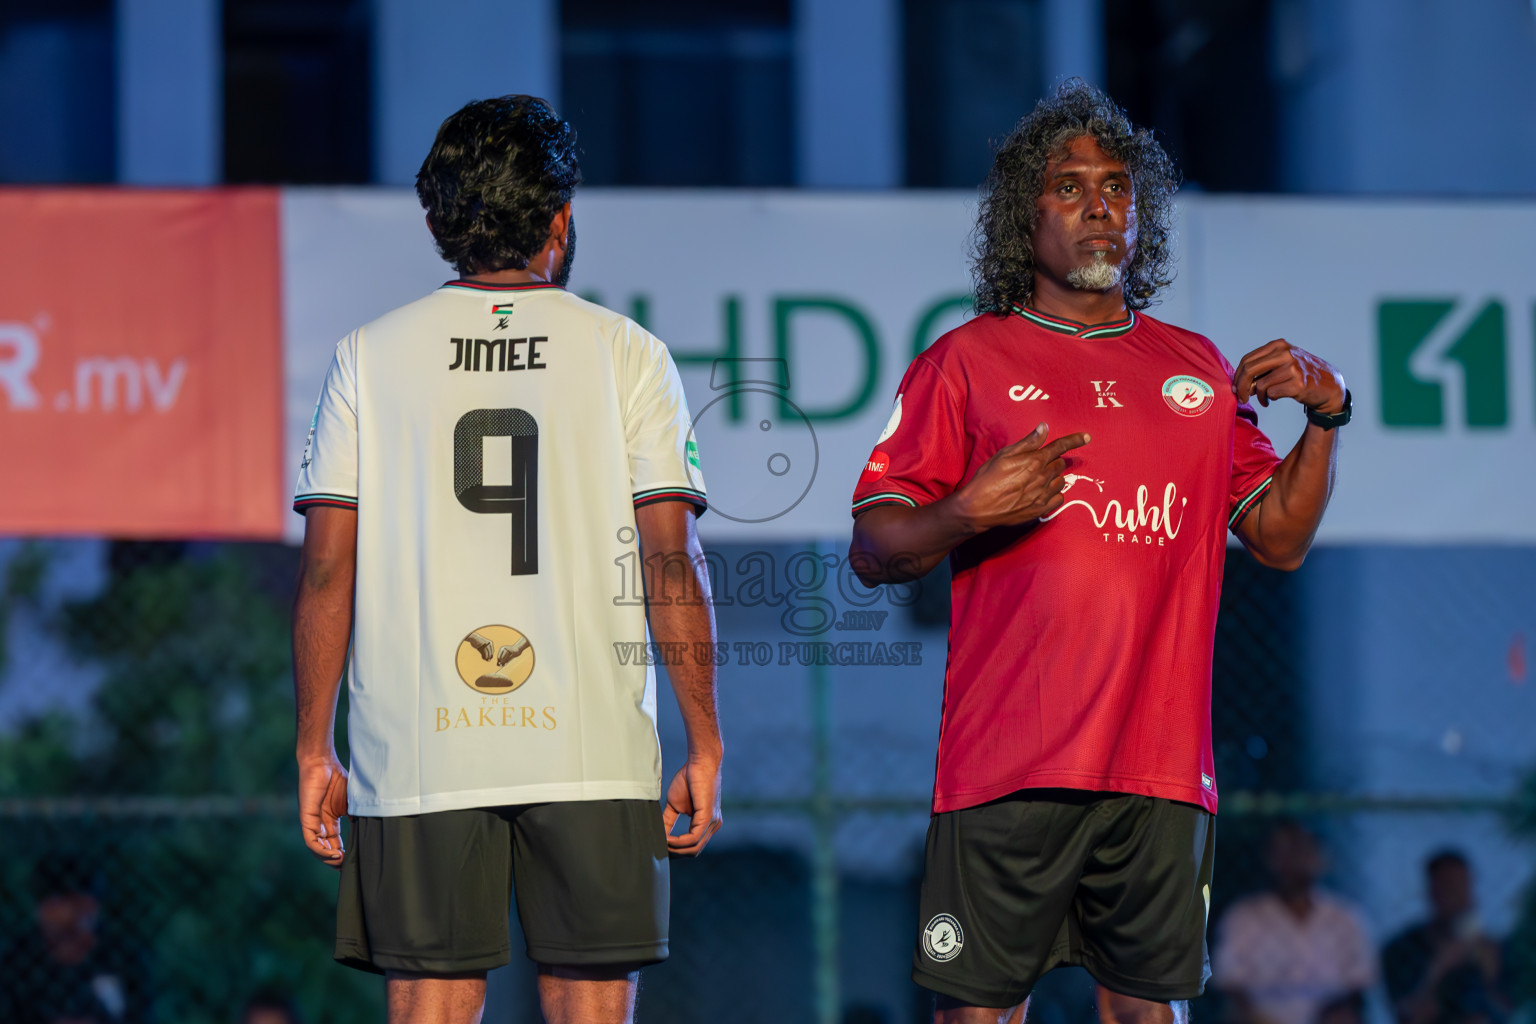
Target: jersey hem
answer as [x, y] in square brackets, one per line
[510, 796]
[943, 803]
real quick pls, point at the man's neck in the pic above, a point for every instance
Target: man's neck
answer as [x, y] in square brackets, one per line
[528, 275]
[1054, 298]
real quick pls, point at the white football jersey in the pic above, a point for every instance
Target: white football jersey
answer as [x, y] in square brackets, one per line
[495, 442]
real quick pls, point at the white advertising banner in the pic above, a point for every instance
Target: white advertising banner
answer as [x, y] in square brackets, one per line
[794, 315]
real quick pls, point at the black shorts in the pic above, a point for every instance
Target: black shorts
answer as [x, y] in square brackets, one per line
[431, 893]
[1117, 883]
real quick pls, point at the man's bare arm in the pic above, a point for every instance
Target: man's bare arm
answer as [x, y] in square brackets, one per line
[1019, 484]
[1279, 530]
[322, 630]
[681, 612]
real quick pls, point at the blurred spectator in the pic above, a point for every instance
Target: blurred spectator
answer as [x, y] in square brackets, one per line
[270, 1007]
[1445, 970]
[1348, 1009]
[1286, 955]
[64, 971]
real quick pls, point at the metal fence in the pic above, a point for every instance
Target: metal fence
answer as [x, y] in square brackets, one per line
[150, 861]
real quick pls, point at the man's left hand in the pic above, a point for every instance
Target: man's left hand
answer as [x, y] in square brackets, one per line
[1281, 370]
[322, 805]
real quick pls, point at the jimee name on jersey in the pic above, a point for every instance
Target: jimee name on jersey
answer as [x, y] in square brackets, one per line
[497, 354]
[1129, 521]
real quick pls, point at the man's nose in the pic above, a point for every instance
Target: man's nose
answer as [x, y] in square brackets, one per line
[1098, 207]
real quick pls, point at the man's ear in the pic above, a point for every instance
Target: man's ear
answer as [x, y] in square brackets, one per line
[560, 225]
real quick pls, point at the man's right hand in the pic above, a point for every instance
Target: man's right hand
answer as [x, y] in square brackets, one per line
[322, 805]
[694, 794]
[1020, 483]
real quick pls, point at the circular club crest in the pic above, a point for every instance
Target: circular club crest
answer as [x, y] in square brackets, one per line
[942, 939]
[1188, 396]
[494, 659]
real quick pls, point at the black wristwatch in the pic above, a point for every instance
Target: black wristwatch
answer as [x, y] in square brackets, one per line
[1328, 422]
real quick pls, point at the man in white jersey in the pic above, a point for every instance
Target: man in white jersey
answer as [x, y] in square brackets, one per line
[477, 460]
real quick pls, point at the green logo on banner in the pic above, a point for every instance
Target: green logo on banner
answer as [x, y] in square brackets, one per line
[1404, 327]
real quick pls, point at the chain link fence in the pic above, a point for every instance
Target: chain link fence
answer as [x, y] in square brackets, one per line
[151, 870]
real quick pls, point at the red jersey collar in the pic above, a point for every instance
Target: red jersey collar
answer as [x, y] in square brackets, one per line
[1061, 325]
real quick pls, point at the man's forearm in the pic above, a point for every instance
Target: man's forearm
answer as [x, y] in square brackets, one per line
[1287, 519]
[689, 626]
[322, 628]
[682, 615]
[893, 544]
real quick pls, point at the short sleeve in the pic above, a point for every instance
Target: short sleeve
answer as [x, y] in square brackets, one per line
[663, 453]
[1253, 463]
[328, 470]
[922, 454]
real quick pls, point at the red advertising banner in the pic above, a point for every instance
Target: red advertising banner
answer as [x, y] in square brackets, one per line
[140, 363]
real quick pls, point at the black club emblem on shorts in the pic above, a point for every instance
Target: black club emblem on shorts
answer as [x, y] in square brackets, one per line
[942, 938]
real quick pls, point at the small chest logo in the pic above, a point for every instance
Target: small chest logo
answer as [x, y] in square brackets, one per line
[1029, 393]
[1104, 391]
[943, 939]
[1188, 396]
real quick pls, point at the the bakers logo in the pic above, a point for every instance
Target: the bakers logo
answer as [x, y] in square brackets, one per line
[1188, 396]
[1144, 522]
[494, 659]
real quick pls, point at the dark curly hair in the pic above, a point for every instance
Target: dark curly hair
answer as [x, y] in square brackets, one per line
[497, 173]
[1003, 251]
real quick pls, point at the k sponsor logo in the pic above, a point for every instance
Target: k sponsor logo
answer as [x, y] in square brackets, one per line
[1188, 396]
[942, 938]
[1104, 395]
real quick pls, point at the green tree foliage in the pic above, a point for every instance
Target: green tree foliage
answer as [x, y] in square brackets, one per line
[194, 701]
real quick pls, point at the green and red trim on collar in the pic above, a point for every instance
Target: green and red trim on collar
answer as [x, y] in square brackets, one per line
[481, 286]
[1088, 332]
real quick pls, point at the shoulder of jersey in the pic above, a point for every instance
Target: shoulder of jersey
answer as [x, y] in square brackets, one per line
[1182, 335]
[954, 344]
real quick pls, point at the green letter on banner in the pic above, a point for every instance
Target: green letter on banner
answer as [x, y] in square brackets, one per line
[931, 316]
[784, 308]
[1480, 351]
[730, 351]
[1406, 400]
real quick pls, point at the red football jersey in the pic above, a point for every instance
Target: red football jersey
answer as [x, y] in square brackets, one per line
[1080, 644]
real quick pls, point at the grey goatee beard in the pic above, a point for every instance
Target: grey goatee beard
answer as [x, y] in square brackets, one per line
[1098, 276]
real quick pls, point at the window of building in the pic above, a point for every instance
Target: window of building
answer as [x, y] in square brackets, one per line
[297, 91]
[680, 93]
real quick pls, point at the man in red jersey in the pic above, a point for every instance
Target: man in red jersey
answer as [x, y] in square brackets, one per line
[1075, 784]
